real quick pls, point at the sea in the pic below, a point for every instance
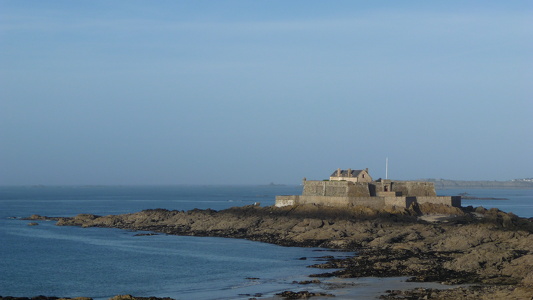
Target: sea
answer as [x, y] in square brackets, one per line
[102, 262]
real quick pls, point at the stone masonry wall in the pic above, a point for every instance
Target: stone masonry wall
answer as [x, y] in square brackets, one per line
[446, 200]
[336, 189]
[414, 188]
[359, 189]
[404, 202]
[365, 189]
[343, 193]
[375, 202]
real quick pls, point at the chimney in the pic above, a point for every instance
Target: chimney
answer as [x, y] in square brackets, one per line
[366, 170]
[349, 172]
[338, 172]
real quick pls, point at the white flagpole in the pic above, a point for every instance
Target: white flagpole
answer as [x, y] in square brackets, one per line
[387, 168]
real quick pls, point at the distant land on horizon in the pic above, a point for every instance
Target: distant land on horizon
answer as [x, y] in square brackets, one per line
[526, 183]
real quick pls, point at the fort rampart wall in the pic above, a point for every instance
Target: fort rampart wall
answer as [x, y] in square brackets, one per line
[367, 189]
[376, 194]
[336, 189]
[446, 200]
[414, 188]
[374, 202]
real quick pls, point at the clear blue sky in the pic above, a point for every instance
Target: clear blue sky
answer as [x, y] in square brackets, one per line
[246, 92]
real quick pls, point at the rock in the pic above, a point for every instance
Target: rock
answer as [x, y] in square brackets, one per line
[40, 218]
[314, 281]
[302, 295]
[130, 297]
[122, 297]
[473, 245]
[36, 217]
[145, 234]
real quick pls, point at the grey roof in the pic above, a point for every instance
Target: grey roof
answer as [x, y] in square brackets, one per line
[344, 173]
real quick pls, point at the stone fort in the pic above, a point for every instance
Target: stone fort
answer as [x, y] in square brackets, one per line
[356, 187]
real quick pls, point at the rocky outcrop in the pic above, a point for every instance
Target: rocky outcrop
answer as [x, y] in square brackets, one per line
[466, 246]
[130, 297]
[40, 218]
[302, 295]
[474, 292]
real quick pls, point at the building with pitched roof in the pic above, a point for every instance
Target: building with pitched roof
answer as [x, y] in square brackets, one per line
[351, 175]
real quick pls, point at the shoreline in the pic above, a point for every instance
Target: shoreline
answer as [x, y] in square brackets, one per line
[489, 249]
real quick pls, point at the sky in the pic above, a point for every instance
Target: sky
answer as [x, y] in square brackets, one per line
[252, 92]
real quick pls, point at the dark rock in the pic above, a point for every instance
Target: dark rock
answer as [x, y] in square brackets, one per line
[314, 281]
[130, 297]
[145, 234]
[302, 295]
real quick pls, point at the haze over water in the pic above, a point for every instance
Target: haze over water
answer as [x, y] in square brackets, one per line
[251, 92]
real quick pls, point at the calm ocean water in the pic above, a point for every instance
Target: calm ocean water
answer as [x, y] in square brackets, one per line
[519, 201]
[99, 262]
